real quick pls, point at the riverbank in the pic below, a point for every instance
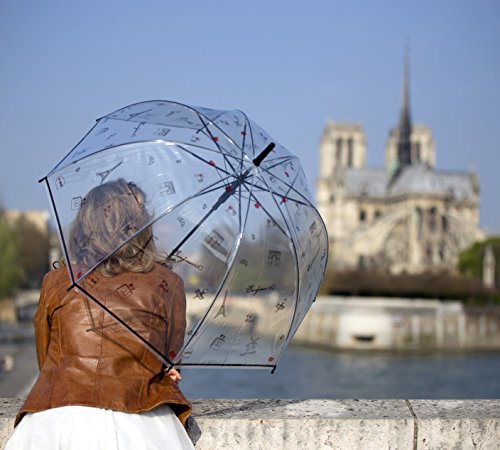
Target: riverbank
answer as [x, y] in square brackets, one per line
[399, 325]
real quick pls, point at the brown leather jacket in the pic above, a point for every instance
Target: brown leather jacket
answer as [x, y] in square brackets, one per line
[87, 358]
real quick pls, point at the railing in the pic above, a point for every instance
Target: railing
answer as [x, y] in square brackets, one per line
[332, 424]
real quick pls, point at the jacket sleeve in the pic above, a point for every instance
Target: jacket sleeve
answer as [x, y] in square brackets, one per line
[177, 326]
[42, 325]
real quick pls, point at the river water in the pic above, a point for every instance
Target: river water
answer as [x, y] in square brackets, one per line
[310, 373]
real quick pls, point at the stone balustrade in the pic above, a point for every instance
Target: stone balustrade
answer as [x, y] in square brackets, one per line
[332, 424]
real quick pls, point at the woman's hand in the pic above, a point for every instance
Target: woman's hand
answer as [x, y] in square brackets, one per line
[174, 375]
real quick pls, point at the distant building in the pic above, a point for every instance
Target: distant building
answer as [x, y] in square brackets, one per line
[407, 216]
[38, 218]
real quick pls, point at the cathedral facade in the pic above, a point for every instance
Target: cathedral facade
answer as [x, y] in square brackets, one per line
[405, 217]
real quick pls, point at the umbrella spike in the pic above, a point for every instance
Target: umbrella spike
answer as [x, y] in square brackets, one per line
[264, 154]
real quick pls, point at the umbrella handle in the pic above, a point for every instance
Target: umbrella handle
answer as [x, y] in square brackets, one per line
[263, 154]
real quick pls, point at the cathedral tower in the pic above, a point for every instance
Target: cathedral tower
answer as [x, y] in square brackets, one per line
[406, 217]
[405, 128]
[408, 144]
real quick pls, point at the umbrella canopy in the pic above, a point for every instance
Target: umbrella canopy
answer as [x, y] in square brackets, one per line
[230, 211]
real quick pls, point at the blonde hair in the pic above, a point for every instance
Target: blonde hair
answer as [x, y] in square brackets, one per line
[110, 214]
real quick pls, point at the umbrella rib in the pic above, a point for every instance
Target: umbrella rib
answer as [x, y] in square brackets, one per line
[228, 271]
[215, 141]
[239, 187]
[149, 101]
[217, 126]
[191, 108]
[224, 365]
[277, 194]
[296, 176]
[148, 345]
[242, 226]
[251, 134]
[125, 143]
[204, 160]
[221, 200]
[243, 143]
[66, 253]
[134, 119]
[213, 187]
[297, 278]
[296, 263]
[176, 143]
[71, 151]
[280, 160]
[289, 186]
[282, 196]
[191, 144]
[298, 282]
[216, 295]
[267, 212]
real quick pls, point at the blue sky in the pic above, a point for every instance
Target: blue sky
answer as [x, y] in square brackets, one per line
[290, 65]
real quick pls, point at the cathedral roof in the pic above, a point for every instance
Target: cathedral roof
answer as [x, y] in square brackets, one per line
[422, 179]
[413, 179]
[366, 182]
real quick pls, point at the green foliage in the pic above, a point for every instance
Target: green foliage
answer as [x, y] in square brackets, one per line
[11, 274]
[466, 286]
[470, 262]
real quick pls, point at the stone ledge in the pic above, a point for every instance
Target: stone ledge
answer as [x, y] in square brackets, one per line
[332, 424]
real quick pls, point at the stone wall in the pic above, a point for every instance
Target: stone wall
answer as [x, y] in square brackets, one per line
[332, 424]
[399, 325]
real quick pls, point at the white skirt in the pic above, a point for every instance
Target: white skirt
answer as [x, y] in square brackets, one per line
[84, 427]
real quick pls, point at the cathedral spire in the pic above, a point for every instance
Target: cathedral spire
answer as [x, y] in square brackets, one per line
[404, 127]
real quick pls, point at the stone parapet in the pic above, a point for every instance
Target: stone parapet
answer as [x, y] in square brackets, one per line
[399, 324]
[332, 424]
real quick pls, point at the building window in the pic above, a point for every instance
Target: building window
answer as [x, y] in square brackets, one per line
[417, 152]
[377, 214]
[332, 198]
[432, 219]
[442, 252]
[362, 216]
[338, 151]
[444, 224]
[428, 253]
[350, 153]
[419, 221]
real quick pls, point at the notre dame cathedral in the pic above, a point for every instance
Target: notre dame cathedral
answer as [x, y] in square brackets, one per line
[407, 216]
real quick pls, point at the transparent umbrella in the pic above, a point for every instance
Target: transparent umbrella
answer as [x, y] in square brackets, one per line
[231, 213]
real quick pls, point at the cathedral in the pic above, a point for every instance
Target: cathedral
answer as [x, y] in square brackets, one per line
[405, 217]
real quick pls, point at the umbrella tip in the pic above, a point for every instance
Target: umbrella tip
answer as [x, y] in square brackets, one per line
[264, 153]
